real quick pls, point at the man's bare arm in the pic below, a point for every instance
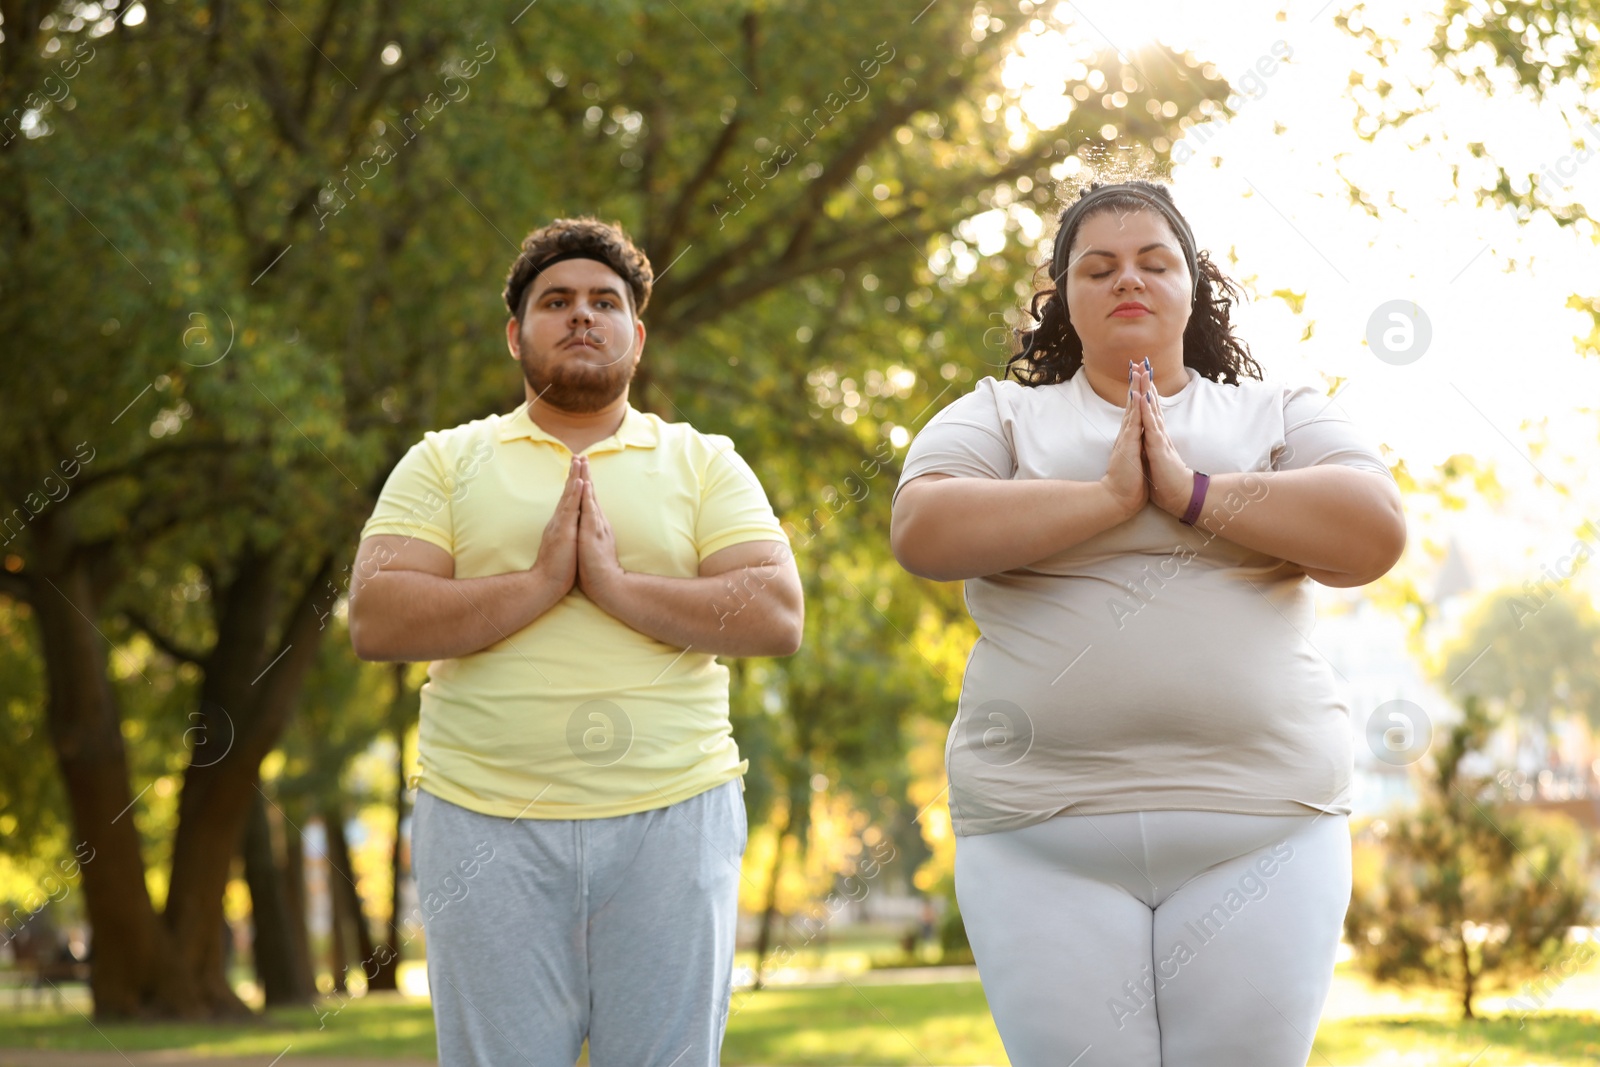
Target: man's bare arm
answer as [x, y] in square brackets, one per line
[747, 601]
[407, 605]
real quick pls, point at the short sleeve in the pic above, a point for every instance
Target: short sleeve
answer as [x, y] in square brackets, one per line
[415, 501]
[966, 439]
[1317, 431]
[733, 506]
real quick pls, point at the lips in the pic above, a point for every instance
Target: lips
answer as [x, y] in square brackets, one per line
[1128, 311]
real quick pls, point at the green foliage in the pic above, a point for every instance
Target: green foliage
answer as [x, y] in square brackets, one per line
[259, 251]
[1534, 651]
[1466, 893]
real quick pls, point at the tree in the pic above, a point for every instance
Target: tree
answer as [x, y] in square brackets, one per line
[254, 253]
[112, 511]
[1534, 651]
[1466, 894]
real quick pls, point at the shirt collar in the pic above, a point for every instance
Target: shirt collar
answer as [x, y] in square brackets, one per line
[637, 430]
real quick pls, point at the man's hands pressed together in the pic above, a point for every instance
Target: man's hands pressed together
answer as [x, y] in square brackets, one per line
[599, 571]
[578, 548]
[557, 562]
[407, 603]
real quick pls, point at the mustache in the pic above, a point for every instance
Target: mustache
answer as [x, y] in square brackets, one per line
[595, 335]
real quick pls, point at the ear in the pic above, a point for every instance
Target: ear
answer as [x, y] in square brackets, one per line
[513, 338]
[638, 348]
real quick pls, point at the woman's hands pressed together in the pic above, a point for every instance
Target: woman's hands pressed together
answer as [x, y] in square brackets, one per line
[1145, 464]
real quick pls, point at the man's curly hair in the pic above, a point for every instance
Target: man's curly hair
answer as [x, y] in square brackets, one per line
[604, 241]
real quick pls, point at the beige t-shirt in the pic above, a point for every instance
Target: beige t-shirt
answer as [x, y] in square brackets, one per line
[1153, 666]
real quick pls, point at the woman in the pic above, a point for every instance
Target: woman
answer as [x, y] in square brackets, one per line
[1150, 765]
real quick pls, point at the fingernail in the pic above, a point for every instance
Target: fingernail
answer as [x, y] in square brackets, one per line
[1130, 374]
[1147, 365]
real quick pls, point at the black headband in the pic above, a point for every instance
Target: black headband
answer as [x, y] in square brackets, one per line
[1074, 215]
[576, 253]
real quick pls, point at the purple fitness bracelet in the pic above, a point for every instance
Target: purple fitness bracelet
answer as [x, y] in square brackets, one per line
[1200, 483]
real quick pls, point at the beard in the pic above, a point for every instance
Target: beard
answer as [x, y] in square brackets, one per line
[575, 383]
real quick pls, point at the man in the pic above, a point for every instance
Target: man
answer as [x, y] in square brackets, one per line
[572, 570]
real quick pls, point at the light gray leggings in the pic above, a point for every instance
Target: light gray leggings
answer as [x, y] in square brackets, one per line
[1171, 938]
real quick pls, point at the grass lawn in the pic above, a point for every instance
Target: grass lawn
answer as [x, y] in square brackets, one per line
[878, 1024]
[946, 1024]
[380, 1026]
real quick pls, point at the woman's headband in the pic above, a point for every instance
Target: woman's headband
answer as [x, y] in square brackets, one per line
[1075, 214]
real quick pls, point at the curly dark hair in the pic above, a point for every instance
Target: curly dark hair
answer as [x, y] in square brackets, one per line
[604, 241]
[1051, 351]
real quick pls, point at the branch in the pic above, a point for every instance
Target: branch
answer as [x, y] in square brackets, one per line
[164, 643]
[291, 662]
[805, 208]
[855, 246]
[844, 164]
[152, 455]
[314, 58]
[276, 95]
[200, 86]
[691, 189]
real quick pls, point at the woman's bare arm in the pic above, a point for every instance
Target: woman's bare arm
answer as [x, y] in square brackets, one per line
[948, 528]
[1342, 525]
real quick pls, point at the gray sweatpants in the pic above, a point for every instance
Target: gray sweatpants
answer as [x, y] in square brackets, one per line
[1187, 938]
[543, 931]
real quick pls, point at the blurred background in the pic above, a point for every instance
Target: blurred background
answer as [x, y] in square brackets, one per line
[251, 252]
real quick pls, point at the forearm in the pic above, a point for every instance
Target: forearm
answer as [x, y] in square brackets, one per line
[738, 613]
[409, 616]
[958, 528]
[1342, 525]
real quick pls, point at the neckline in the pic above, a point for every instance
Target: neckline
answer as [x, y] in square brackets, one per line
[1081, 381]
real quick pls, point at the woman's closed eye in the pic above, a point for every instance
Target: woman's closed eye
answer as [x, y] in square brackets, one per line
[1157, 270]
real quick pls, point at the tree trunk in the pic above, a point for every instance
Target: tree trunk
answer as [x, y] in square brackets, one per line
[796, 824]
[294, 899]
[251, 682]
[1468, 979]
[386, 970]
[171, 965]
[770, 912]
[272, 943]
[134, 972]
[342, 889]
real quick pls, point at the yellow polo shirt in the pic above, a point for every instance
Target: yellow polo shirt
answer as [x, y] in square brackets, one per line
[577, 715]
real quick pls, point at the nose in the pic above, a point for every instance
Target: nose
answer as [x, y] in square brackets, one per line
[1129, 275]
